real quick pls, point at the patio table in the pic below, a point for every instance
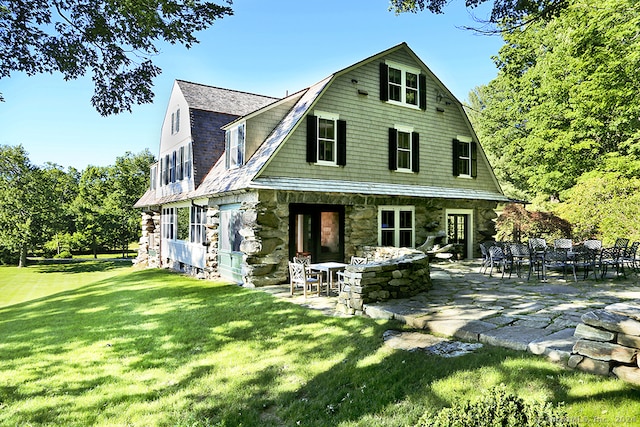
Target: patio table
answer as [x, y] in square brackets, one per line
[330, 268]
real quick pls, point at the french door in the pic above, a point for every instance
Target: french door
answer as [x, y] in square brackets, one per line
[318, 231]
[459, 230]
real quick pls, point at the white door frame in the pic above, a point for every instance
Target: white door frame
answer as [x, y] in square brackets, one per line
[470, 230]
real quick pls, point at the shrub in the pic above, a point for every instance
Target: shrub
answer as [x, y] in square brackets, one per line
[63, 254]
[498, 408]
[515, 223]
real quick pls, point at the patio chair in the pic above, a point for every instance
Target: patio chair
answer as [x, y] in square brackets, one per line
[608, 258]
[496, 258]
[340, 274]
[484, 250]
[520, 257]
[556, 259]
[621, 243]
[301, 276]
[628, 256]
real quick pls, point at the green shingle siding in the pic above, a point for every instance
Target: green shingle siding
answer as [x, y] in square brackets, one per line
[368, 120]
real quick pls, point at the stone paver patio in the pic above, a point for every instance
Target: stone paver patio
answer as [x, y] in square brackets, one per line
[528, 315]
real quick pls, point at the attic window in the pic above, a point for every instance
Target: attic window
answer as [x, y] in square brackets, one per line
[403, 85]
[175, 122]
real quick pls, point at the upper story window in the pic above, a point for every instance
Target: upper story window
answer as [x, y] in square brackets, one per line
[396, 226]
[403, 85]
[176, 166]
[404, 149]
[153, 176]
[465, 158]
[234, 146]
[175, 122]
[326, 139]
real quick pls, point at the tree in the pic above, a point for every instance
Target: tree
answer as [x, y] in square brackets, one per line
[115, 39]
[30, 202]
[566, 98]
[510, 12]
[130, 176]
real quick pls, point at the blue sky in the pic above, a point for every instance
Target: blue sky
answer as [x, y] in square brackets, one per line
[266, 47]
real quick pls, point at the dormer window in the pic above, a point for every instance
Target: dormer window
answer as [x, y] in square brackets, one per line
[234, 146]
[403, 85]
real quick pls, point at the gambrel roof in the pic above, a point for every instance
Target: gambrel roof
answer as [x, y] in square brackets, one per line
[219, 100]
[221, 180]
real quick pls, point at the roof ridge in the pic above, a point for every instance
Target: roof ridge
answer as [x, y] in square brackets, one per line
[226, 89]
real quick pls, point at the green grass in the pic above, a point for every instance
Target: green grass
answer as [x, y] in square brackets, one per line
[96, 343]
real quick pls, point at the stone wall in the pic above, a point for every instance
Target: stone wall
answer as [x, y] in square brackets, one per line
[609, 342]
[392, 273]
[149, 243]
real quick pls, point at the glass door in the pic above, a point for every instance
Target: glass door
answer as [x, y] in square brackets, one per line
[458, 231]
[317, 231]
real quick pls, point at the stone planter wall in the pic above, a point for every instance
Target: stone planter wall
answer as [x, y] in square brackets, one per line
[609, 342]
[392, 273]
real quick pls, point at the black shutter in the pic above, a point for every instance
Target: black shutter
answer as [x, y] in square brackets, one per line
[415, 152]
[342, 143]
[474, 159]
[393, 149]
[384, 82]
[422, 81]
[456, 171]
[312, 139]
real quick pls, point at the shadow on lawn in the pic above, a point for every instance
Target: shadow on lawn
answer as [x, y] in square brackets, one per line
[115, 333]
[74, 266]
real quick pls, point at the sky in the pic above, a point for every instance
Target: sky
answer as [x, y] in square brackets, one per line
[267, 47]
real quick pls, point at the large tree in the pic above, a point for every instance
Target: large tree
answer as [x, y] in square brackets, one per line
[113, 39]
[511, 13]
[566, 99]
[31, 201]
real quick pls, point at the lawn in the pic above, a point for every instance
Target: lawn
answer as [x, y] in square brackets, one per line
[102, 343]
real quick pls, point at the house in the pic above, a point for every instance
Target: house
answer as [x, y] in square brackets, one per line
[377, 154]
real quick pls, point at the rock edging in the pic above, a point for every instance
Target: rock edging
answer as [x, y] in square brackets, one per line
[609, 342]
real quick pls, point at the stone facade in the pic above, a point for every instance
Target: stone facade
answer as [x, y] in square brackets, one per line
[609, 342]
[265, 229]
[392, 273]
[149, 243]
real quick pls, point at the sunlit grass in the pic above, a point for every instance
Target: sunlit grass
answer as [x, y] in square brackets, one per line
[98, 344]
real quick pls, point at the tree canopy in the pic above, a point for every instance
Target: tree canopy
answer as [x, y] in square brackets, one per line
[113, 39]
[505, 12]
[566, 100]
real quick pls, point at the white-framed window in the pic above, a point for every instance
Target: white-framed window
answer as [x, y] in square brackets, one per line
[198, 224]
[153, 176]
[230, 226]
[188, 162]
[234, 146]
[175, 122]
[327, 137]
[403, 84]
[396, 226]
[404, 149]
[464, 157]
[169, 223]
[180, 164]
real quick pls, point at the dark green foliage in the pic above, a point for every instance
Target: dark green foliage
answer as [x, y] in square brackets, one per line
[498, 407]
[115, 40]
[64, 255]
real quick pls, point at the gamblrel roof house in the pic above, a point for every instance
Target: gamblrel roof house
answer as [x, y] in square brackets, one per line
[377, 154]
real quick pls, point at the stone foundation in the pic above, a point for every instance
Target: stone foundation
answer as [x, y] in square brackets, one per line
[609, 342]
[149, 243]
[392, 273]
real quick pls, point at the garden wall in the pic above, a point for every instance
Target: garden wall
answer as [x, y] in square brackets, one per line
[391, 273]
[609, 342]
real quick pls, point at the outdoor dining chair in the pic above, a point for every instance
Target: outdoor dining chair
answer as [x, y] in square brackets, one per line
[301, 276]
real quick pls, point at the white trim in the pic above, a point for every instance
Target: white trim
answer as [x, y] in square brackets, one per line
[396, 228]
[470, 230]
[404, 69]
[323, 115]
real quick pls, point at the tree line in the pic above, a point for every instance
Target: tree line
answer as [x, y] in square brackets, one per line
[46, 210]
[561, 121]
